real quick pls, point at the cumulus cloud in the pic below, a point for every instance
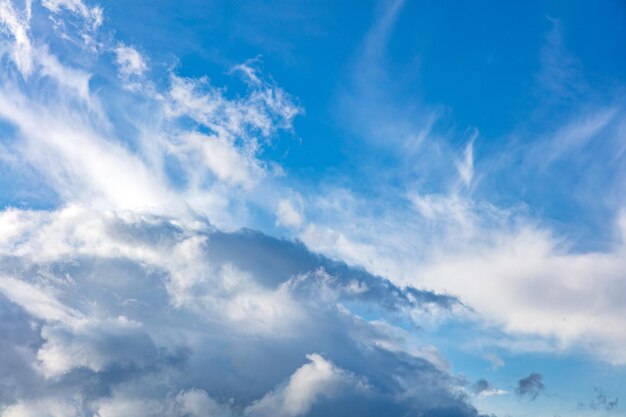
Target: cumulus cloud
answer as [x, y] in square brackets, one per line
[46, 407]
[310, 383]
[186, 403]
[137, 313]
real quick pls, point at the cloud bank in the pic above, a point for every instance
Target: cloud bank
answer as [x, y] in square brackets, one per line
[118, 312]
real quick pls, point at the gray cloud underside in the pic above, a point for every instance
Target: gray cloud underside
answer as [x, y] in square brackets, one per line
[120, 314]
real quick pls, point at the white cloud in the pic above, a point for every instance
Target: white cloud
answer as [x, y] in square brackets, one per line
[493, 392]
[288, 214]
[453, 208]
[72, 78]
[199, 323]
[65, 133]
[309, 384]
[521, 277]
[94, 345]
[266, 109]
[223, 291]
[187, 403]
[127, 311]
[17, 25]
[129, 61]
[339, 245]
[93, 15]
[518, 277]
[573, 137]
[528, 287]
[196, 402]
[560, 73]
[45, 407]
[496, 361]
[167, 314]
[79, 161]
[37, 301]
[223, 159]
[465, 167]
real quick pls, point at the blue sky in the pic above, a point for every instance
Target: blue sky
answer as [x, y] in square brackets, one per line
[312, 208]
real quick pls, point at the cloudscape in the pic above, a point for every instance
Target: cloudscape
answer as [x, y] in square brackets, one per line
[287, 208]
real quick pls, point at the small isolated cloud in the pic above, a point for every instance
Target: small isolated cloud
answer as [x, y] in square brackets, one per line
[480, 386]
[603, 401]
[129, 61]
[248, 71]
[483, 388]
[530, 386]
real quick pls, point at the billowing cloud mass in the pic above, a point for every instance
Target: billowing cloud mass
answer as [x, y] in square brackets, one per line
[121, 312]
